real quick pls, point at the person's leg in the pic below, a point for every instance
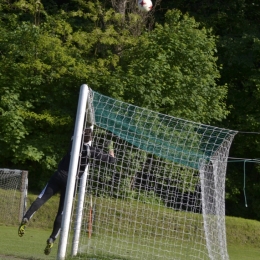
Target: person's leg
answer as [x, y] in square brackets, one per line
[50, 189]
[56, 225]
[58, 219]
[45, 195]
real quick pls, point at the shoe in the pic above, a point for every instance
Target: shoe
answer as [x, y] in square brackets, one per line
[49, 246]
[22, 226]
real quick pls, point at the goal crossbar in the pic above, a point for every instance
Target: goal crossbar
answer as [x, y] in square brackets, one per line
[164, 198]
[160, 132]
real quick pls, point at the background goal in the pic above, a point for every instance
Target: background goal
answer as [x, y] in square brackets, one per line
[164, 198]
[13, 194]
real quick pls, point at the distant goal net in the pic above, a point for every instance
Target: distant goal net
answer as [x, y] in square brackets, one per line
[13, 195]
[164, 198]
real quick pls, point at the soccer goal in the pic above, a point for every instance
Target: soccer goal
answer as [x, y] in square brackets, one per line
[13, 193]
[163, 198]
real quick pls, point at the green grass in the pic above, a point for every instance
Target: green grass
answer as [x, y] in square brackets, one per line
[242, 252]
[243, 236]
[244, 232]
[30, 246]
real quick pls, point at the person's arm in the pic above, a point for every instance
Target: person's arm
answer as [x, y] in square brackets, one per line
[98, 154]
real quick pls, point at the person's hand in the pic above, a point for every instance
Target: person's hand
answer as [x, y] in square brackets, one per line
[110, 148]
[111, 152]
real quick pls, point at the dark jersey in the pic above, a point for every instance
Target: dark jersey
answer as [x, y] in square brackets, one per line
[86, 153]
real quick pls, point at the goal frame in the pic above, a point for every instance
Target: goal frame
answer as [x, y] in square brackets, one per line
[67, 212]
[23, 188]
[208, 166]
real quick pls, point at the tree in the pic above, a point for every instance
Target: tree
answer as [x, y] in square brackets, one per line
[45, 61]
[39, 79]
[236, 25]
[48, 57]
[173, 70]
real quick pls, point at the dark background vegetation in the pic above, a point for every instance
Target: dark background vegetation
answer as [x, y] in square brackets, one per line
[194, 59]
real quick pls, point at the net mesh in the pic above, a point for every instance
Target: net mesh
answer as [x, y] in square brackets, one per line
[163, 198]
[12, 200]
[177, 140]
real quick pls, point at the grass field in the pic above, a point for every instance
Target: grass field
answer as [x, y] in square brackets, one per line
[243, 237]
[31, 246]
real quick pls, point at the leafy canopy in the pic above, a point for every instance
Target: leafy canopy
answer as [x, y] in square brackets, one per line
[173, 70]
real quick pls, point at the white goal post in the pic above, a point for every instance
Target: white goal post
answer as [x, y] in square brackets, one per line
[163, 198]
[13, 193]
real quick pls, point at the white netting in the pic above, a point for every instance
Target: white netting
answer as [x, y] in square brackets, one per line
[13, 190]
[164, 196]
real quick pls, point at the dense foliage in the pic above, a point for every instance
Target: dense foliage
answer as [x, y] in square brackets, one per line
[198, 60]
[235, 23]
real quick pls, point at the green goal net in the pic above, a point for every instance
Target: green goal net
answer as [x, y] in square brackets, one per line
[163, 198]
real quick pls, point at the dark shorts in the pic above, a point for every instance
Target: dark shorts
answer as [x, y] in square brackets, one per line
[57, 183]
